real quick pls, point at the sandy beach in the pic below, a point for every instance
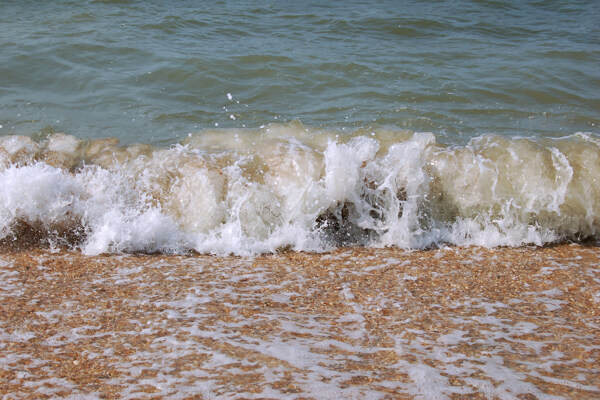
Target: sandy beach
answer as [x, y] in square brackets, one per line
[355, 323]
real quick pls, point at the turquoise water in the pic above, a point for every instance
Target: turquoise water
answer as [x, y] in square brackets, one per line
[250, 127]
[155, 71]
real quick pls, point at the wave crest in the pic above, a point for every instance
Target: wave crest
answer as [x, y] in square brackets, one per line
[286, 186]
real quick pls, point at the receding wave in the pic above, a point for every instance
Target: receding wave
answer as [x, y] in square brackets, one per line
[250, 191]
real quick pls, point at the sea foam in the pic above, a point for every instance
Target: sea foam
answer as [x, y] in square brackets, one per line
[289, 187]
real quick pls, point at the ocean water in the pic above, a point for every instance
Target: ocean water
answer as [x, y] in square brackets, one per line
[250, 127]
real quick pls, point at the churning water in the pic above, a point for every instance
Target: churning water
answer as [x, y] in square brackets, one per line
[249, 127]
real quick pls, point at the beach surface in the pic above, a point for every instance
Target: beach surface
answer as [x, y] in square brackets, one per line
[357, 323]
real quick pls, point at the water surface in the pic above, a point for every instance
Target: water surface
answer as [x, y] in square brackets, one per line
[250, 127]
[155, 71]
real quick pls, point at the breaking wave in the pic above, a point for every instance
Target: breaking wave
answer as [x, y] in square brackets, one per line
[251, 191]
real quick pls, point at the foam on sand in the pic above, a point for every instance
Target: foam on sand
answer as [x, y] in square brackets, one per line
[421, 324]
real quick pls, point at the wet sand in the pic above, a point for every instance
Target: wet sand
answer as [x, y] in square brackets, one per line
[356, 323]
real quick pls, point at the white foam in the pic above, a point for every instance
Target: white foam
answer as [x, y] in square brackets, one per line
[285, 186]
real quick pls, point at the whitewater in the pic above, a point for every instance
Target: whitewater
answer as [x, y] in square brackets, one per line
[292, 187]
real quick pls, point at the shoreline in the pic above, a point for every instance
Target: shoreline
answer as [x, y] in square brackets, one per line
[352, 323]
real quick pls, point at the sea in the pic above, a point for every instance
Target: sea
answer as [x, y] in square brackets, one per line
[248, 127]
[295, 199]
